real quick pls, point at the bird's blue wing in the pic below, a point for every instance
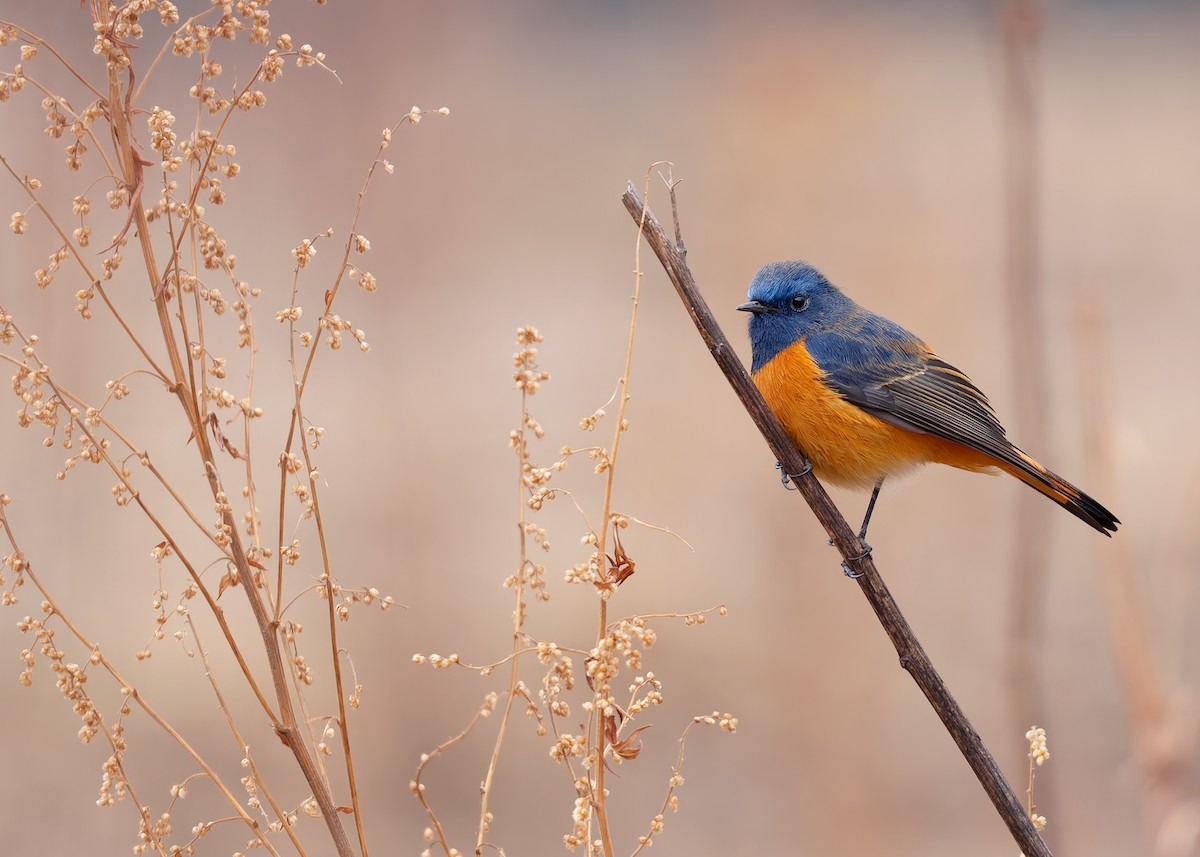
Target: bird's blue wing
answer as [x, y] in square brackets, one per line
[888, 372]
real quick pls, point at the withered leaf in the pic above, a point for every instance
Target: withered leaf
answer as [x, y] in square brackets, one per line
[625, 748]
[228, 579]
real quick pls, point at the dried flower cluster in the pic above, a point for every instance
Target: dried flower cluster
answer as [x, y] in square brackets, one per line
[610, 738]
[1038, 755]
[159, 167]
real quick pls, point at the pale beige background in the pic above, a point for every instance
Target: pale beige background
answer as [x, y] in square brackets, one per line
[863, 137]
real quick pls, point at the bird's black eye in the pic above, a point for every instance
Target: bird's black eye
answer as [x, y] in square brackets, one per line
[799, 302]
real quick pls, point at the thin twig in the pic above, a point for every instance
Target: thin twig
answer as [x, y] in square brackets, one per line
[667, 530]
[237, 736]
[673, 783]
[485, 790]
[418, 788]
[912, 655]
[716, 608]
[297, 422]
[605, 585]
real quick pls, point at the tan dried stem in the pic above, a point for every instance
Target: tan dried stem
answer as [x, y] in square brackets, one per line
[672, 784]
[418, 788]
[518, 619]
[243, 747]
[598, 796]
[299, 383]
[132, 164]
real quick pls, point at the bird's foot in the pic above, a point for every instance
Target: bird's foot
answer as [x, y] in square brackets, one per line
[789, 479]
[855, 575]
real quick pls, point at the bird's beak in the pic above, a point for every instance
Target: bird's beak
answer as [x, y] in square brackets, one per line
[756, 307]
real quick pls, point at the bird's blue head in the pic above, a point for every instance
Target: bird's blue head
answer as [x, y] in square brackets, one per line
[789, 301]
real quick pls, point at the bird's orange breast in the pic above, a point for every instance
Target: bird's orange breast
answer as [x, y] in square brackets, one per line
[847, 445]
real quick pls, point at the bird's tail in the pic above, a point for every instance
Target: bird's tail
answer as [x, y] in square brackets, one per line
[1060, 491]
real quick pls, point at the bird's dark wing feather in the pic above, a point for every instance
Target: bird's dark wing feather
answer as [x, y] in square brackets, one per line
[889, 373]
[885, 370]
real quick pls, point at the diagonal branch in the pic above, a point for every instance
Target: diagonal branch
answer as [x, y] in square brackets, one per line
[792, 460]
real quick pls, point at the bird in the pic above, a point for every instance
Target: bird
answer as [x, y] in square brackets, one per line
[866, 400]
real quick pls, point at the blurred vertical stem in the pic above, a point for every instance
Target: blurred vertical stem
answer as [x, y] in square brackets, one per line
[1023, 291]
[1164, 751]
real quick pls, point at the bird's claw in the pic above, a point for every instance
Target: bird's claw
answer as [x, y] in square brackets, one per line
[855, 575]
[788, 479]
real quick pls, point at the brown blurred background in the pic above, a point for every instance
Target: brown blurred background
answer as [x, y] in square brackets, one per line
[864, 137]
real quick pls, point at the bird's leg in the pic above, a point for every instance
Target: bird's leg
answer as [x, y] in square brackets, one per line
[862, 531]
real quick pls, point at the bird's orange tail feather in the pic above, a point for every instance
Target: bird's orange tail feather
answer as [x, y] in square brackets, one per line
[1060, 491]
